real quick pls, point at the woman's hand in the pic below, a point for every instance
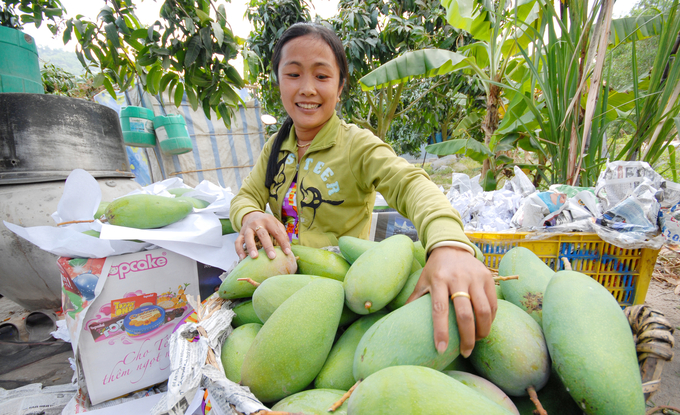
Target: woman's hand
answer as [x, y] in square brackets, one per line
[452, 270]
[263, 225]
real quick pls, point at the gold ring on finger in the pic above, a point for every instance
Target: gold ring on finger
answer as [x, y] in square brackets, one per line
[460, 294]
[258, 228]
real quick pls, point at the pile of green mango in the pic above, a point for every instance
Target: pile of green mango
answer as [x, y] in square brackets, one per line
[309, 325]
[144, 211]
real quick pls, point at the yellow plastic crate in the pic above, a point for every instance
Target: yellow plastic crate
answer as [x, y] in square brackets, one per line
[626, 273]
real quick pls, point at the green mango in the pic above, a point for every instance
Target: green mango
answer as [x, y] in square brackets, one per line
[337, 371]
[101, 209]
[378, 275]
[315, 261]
[226, 227]
[499, 293]
[197, 203]
[291, 348]
[258, 269]
[92, 232]
[405, 337]
[352, 248]
[245, 314]
[418, 390]
[484, 387]
[348, 316]
[419, 253]
[144, 211]
[553, 397]
[592, 346]
[235, 347]
[514, 355]
[460, 364]
[180, 191]
[313, 401]
[275, 290]
[406, 290]
[534, 275]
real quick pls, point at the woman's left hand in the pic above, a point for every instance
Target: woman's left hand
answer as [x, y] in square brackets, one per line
[452, 270]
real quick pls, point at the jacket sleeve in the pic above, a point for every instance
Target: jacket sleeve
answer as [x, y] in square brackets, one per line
[406, 188]
[253, 195]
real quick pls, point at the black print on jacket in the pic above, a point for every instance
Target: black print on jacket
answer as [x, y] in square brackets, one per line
[279, 179]
[316, 202]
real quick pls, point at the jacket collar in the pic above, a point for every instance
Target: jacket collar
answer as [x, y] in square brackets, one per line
[325, 138]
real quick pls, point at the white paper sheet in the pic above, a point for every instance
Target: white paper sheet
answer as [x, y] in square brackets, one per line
[223, 257]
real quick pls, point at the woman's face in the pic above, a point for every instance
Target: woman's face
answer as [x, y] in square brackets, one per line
[309, 81]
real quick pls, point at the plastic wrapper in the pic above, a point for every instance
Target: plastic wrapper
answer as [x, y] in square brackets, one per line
[486, 211]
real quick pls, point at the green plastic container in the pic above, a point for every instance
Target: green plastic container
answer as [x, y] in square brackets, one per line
[172, 134]
[19, 67]
[137, 125]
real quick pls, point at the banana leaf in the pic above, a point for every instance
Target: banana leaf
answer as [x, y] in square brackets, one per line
[469, 147]
[640, 27]
[424, 62]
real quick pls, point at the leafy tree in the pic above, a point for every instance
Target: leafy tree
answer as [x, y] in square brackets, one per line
[17, 13]
[269, 19]
[375, 32]
[186, 51]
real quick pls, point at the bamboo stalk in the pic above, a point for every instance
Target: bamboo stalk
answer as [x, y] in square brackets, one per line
[343, 398]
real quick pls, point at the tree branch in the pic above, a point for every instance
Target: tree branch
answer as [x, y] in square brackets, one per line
[419, 98]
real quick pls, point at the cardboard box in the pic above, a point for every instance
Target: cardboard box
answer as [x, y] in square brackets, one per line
[121, 335]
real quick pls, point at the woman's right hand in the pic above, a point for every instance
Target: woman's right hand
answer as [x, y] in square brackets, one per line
[263, 225]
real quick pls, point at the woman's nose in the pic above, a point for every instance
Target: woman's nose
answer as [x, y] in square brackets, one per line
[307, 87]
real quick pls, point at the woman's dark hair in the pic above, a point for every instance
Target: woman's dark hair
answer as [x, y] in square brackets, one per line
[293, 32]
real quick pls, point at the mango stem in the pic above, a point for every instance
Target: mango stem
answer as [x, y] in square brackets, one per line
[537, 403]
[250, 280]
[343, 398]
[509, 277]
[567, 264]
[368, 305]
[75, 221]
[656, 410]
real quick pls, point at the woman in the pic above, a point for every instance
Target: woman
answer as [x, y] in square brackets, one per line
[319, 176]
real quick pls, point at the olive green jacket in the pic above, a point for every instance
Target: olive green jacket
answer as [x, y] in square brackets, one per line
[337, 181]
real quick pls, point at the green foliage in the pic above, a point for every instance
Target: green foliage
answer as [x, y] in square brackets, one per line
[56, 80]
[67, 60]
[270, 19]
[656, 103]
[186, 51]
[17, 13]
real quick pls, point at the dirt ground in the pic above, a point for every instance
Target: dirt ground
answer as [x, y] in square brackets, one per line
[661, 296]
